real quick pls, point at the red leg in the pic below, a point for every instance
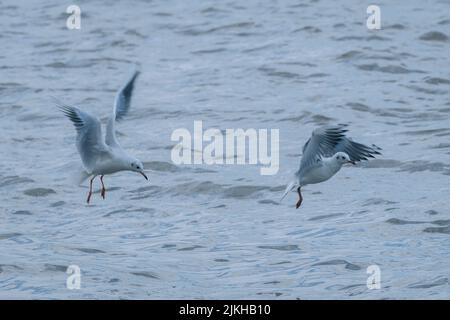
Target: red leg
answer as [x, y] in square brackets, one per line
[300, 198]
[90, 189]
[103, 187]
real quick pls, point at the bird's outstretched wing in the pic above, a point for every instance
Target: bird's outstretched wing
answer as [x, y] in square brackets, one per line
[90, 143]
[120, 109]
[357, 151]
[326, 141]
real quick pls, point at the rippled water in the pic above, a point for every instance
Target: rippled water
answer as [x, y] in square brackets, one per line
[219, 231]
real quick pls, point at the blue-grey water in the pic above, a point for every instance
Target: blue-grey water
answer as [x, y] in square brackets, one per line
[219, 231]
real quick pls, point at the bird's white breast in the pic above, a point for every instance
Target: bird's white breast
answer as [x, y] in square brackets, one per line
[110, 163]
[320, 173]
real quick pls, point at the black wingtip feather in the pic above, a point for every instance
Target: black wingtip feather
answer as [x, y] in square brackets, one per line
[71, 113]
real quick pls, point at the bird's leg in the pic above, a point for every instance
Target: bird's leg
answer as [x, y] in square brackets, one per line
[103, 187]
[90, 189]
[300, 198]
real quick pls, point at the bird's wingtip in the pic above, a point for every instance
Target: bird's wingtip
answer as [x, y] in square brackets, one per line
[136, 70]
[61, 105]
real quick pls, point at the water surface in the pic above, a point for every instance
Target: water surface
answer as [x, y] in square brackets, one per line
[219, 231]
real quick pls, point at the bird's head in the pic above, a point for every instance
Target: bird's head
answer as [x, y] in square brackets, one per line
[137, 166]
[343, 158]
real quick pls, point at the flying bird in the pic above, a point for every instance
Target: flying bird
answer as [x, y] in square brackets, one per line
[103, 155]
[324, 154]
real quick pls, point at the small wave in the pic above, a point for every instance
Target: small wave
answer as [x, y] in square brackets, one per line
[58, 204]
[387, 69]
[162, 166]
[436, 81]
[377, 201]
[272, 72]
[350, 55]
[434, 36]
[132, 32]
[396, 26]
[348, 265]
[163, 14]
[204, 187]
[317, 75]
[9, 235]
[240, 192]
[444, 230]
[258, 48]
[268, 201]
[209, 51]
[209, 10]
[427, 131]
[71, 64]
[39, 192]
[426, 90]
[326, 216]
[381, 163]
[441, 146]
[210, 188]
[402, 222]
[426, 285]
[126, 211]
[12, 180]
[9, 267]
[441, 222]
[90, 250]
[146, 274]
[190, 248]
[55, 267]
[285, 247]
[308, 29]
[422, 165]
[22, 212]
[220, 206]
[232, 26]
[320, 119]
[360, 38]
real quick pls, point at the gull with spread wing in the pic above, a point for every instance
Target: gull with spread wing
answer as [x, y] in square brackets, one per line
[324, 154]
[103, 155]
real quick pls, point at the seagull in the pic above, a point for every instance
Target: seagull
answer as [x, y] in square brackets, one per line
[103, 155]
[324, 154]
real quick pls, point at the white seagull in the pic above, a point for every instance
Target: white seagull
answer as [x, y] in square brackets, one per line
[102, 156]
[323, 156]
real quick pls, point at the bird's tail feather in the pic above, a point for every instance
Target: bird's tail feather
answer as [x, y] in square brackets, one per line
[80, 176]
[289, 188]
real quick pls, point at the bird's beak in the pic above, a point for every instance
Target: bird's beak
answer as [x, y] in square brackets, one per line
[142, 172]
[352, 162]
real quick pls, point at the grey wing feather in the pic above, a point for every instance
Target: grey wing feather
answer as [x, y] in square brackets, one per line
[90, 142]
[123, 97]
[321, 144]
[121, 106]
[328, 140]
[355, 150]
